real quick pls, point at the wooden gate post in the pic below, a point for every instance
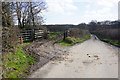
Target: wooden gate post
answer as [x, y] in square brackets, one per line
[33, 34]
[65, 35]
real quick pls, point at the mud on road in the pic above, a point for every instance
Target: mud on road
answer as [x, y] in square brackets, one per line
[43, 52]
[90, 59]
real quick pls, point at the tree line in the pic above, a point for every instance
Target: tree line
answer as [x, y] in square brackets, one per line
[22, 13]
[91, 26]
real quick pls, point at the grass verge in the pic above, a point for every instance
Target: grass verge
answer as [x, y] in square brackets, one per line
[16, 64]
[52, 35]
[72, 41]
[64, 43]
[113, 42]
[56, 32]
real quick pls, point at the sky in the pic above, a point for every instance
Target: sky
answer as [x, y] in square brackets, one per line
[80, 11]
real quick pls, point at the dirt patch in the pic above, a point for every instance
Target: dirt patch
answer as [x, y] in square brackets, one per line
[96, 57]
[62, 57]
[43, 52]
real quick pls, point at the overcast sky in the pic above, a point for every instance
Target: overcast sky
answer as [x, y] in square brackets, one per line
[79, 11]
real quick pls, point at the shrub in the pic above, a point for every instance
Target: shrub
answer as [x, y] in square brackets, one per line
[112, 34]
[70, 39]
[10, 37]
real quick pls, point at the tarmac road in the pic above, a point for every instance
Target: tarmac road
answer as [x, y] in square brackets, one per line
[90, 59]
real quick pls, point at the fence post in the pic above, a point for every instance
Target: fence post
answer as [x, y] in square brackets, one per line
[21, 40]
[65, 35]
[33, 34]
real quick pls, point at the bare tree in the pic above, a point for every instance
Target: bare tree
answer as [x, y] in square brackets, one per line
[7, 17]
[28, 13]
[18, 11]
[35, 10]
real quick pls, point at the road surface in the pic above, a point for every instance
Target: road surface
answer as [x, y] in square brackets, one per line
[90, 59]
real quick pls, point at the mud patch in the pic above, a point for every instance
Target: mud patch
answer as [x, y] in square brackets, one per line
[96, 57]
[62, 57]
[44, 52]
[87, 62]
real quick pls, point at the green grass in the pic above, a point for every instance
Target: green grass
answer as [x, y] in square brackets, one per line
[114, 42]
[86, 38]
[52, 36]
[57, 32]
[25, 44]
[17, 63]
[64, 43]
[71, 41]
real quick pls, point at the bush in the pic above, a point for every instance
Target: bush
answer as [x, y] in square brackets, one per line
[112, 34]
[10, 37]
[64, 43]
[70, 39]
[109, 35]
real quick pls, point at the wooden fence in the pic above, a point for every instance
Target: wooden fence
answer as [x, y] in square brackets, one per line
[31, 34]
[38, 34]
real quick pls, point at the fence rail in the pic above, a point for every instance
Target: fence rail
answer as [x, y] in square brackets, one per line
[31, 34]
